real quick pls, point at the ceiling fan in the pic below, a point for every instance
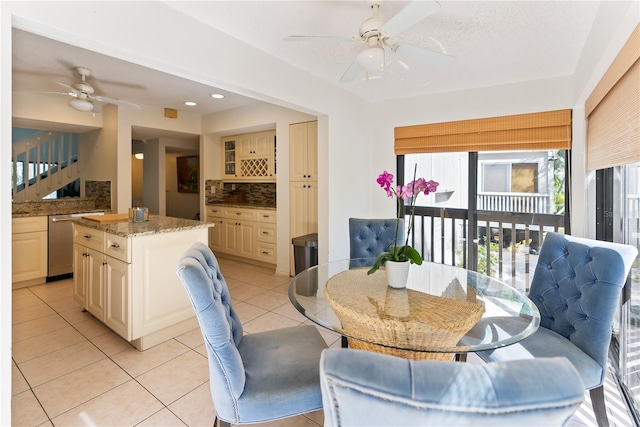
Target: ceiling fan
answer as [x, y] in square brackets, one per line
[376, 31]
[83, 98]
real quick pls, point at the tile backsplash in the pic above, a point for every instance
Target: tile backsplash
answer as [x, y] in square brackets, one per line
[100, 191]
[261, 193]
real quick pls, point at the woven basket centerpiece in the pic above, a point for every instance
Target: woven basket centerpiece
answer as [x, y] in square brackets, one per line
[401, 322]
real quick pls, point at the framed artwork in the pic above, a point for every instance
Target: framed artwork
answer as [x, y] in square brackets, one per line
[188, 174]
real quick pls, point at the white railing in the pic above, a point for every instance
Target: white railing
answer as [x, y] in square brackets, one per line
[42, 164]
[516, 202]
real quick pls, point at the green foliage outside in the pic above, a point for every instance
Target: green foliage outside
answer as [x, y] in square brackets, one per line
[558, 181]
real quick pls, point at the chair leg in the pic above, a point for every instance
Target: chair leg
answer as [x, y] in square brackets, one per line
[345, 342]
[599, 408]
[460, 357]
[219, 423]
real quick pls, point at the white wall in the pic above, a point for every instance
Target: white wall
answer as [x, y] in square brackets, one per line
[5, 218]
[98, 149]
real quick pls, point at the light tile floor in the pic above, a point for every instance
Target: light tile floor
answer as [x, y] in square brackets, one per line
[68, 369]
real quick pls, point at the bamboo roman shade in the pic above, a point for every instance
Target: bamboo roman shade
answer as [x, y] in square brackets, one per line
[613, 111]
[536, 131]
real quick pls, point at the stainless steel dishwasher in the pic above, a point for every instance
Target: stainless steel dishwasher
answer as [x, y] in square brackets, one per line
[60, 263]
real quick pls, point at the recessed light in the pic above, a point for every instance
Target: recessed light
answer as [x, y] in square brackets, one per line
[217, 95]
[190, 103]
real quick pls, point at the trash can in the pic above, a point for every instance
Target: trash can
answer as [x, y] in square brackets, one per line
[305, 254]
[305, 251]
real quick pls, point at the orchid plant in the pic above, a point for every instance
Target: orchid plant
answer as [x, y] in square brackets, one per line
[403, 193]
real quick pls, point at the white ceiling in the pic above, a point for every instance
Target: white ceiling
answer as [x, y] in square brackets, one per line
[494, 42]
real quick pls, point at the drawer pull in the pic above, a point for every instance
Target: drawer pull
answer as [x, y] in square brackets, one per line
[238, 213]
[87, 236]
[265, 233]
[115, 245]
[265, 253]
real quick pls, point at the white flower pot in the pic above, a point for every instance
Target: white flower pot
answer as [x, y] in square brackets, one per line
[397, 273]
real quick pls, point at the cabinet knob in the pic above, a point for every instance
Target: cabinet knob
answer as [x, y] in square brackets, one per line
[115, 245]
[87, 236]
[265, 232]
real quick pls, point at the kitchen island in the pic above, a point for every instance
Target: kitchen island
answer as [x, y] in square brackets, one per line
[125, 275]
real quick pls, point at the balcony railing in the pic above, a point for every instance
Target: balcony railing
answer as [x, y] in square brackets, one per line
[507, 243]
[516, 202]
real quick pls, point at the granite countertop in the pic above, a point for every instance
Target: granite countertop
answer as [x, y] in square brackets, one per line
[45, 207]
[248, 205]
[157, 224]
[57, 211]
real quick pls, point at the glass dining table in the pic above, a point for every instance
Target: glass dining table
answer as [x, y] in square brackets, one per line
[443, 311]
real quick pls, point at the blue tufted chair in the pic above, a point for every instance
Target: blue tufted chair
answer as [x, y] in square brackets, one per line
[257, 377]
[361, 388]
[368, 238]
[576, 287]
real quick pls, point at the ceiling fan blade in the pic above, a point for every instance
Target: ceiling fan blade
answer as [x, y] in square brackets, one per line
[297, 38]
[413, 13]
[43, 92]
[97, 108]
[429, 57]
[118, 102]
[71, 88]
[352, 73]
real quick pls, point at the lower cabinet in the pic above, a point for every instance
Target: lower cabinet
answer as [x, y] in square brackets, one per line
[130, 283]
[117, 307]
[29, 250]
[242, 232]
[102, 286]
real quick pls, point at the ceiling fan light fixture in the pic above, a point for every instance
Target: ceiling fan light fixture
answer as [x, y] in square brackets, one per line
[371, 59]
[81, 104]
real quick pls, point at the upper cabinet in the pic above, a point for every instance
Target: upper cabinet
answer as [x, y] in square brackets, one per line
[229, 157]
[303, 151]
[249, 157]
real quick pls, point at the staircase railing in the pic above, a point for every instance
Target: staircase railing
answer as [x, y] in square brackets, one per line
[43, 163]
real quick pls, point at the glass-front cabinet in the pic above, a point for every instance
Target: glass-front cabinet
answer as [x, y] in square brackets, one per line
[229, 157]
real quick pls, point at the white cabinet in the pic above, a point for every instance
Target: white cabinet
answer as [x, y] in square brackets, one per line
[29, 250]
[249, 157]
[304, 208]
[95, 263]
[215, 215]
[101, 277]
[256, 144]
[243, 232]
[303, 181]
[303, 151]
[117, 313]
[239, 237]
[229, 147]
